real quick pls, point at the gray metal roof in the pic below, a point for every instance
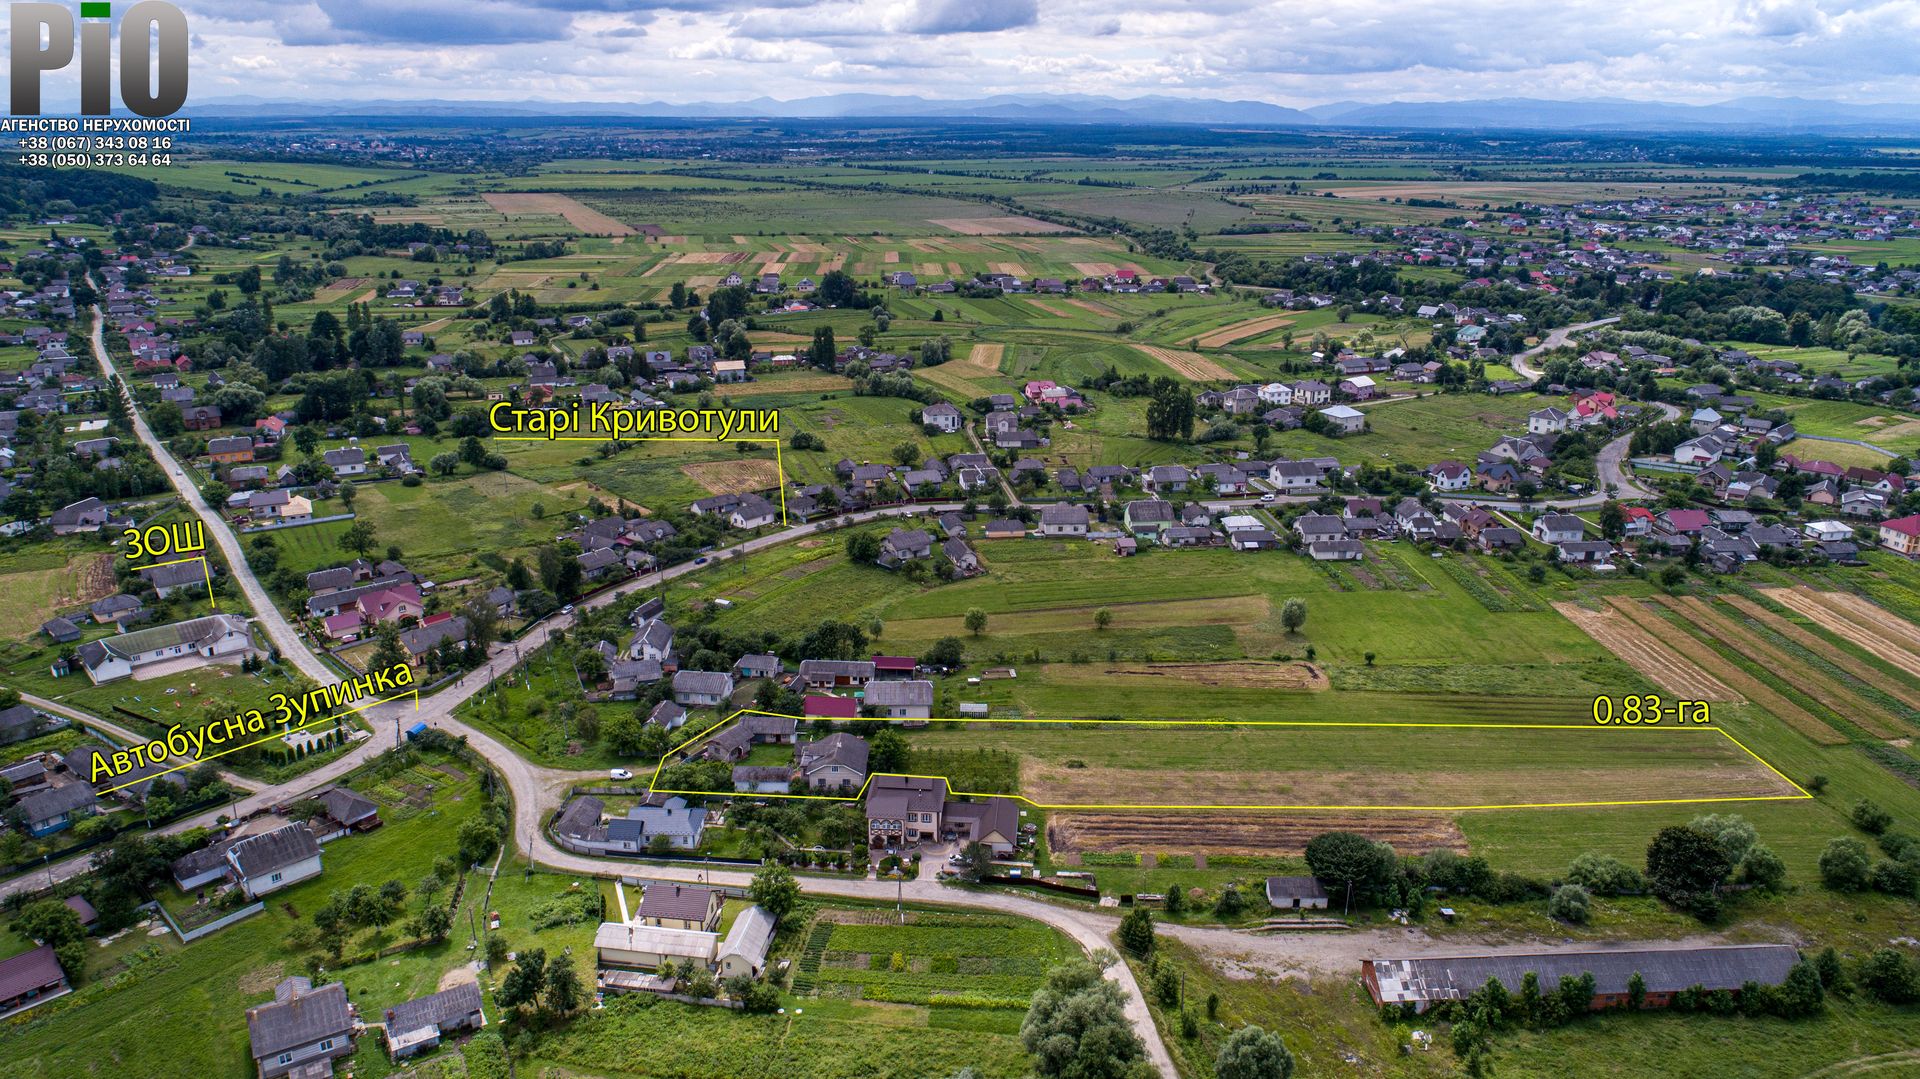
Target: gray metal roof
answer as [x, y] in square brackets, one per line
[304, 1019]
[1665, 970]
[259, 854]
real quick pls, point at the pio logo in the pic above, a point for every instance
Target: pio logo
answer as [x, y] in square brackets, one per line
[140, 91]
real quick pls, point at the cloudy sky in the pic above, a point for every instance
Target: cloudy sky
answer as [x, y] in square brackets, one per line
[1294, 53]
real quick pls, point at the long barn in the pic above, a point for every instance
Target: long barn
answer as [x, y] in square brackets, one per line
[1427, 980]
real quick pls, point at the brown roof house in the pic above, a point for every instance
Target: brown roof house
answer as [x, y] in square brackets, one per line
[836, 762]
[680, 906]
[903, 810]
[31, 978]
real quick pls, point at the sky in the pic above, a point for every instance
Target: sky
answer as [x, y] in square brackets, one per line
[1295, 54]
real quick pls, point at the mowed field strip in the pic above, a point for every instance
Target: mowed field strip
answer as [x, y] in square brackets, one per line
[1187, 364]
[1253, 327]
[1666, 668]
[1892, 684]
[1729, 673]
[1188, 764]
[577, 214]
[1844, 702]
[1868, 626]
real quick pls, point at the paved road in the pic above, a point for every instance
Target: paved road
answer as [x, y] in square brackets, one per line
[1610, 464]
[126, 735]
[1556, 338]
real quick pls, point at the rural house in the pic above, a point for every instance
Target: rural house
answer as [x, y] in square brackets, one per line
[301, 1026]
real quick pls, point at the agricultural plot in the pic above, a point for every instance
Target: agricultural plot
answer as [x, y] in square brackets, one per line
[1895, 682]
[1885, 635]
[587, 220]
[1842, 699]
[1433, 767]
[1245, 833]
[1734, 675]
[1647, 653]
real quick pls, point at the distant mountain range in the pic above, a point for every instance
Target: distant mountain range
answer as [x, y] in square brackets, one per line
[1758, 114]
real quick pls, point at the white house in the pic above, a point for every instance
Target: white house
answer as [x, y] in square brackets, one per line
[1450, 476]
[274, 860]
[1557, 528]
[1345, 420]
[1064, 519]
[1546, 421]
[1276, 393]
[1827, 531]
[215, 635]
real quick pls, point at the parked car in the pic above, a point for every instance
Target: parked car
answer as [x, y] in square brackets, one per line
[1268, 497]
[620, 773]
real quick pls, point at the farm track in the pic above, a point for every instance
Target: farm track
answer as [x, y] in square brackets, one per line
[1730, 674]
[1840, 658]
[1842, 700]
[1647, 654]
[1869, 635]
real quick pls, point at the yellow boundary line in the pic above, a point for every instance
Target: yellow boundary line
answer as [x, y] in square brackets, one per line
[1801, 795]
[779, 461]
[414, 693]
[206, 573]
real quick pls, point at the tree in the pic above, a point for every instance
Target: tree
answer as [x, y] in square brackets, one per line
[775, 890]
[976, 863]
[863, 547]
[1253, 1053]
[946, 652]
[479, 837]
[1570, 903]
[1350, 862]
[563, 990]
[1102, 618]
[524, 980]
[1231, 902]
[358, 539]
[1636, 992]
[1602, 874]
[1136, 932]
[387, 653]
[1613, 519]
[1870, 818]
[1801, 995]
[1170, 410]
[1890, 977]
[1734, 834]
[1845, 865]
[976, 621]
[55, 924]
[887, 751]
[1076, 1026]
[1293, 615]
[1762, 869]
[1685, 867]
[444, 463]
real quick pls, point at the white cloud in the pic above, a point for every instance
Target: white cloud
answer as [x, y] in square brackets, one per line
[1371, 50]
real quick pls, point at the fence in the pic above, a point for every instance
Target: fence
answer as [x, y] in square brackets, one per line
[189, 935]
[279, 525]
[1045, 886]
